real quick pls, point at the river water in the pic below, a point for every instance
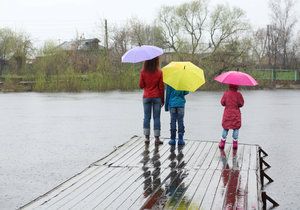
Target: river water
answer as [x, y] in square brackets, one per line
[47, 138]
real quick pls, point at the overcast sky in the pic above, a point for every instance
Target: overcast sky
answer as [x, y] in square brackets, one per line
[63, 19]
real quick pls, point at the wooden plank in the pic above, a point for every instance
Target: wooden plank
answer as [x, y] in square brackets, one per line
[62, 187]
[253, 201]
[246, 157]
[242, 190]
[223, 155]
[216, 158]
[176, 189]
[100, 194]
[254, 162]
[202, 157]
[64, 194]
[119, 152]
[210, 155]
[230, 200]
[177, 160]
[124, 188]
[210, 193]
[136, 175]
[201, 190]
[191, 189]
[121, 160]
[84, 190]
[180, 178]
[201, 146]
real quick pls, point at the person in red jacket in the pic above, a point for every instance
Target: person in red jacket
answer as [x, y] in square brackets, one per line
[151, 80]
[232, 100]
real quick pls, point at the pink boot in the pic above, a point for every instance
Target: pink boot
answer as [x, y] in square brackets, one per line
[222, 143]
[235, 144]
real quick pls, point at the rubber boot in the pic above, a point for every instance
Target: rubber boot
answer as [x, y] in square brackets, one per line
[180, 139]
[173, 137]
[222, 143]
[235, 144]
[158, 141]
[147, 139]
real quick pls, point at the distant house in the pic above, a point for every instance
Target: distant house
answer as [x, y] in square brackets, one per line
[81, 45]
[83, 53]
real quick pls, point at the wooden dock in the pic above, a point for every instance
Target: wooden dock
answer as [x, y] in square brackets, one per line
[137, 176]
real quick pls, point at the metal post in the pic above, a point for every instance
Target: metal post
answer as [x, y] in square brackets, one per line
[265, 197]
[261, 151]
[262, 175]
[106, 36]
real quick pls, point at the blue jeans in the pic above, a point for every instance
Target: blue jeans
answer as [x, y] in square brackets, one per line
[177, 115]
[149, 105]
[235, 134]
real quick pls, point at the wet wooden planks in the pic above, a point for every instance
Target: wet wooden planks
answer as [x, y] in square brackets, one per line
[137, 176]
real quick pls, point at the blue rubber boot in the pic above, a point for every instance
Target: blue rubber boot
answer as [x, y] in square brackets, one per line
[172, 142]
[173, 137]
[180, 139]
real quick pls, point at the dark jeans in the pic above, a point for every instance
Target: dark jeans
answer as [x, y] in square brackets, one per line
[149, 105]
[177, 115]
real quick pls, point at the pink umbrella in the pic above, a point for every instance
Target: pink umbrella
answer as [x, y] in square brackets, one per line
[236, 78]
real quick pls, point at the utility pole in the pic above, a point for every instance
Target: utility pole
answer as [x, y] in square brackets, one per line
[106, 36]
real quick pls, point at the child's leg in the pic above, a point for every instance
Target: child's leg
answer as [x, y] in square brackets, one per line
[173, 117]
[223, 139]
[156, 105]
[180, 125]
[224, 134]
[235, 135]
[147, 117]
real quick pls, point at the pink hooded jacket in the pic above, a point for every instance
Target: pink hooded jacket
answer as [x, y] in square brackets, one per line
[232, 100]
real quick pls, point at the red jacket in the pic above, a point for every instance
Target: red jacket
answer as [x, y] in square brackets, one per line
[152, 83]
[232, 100]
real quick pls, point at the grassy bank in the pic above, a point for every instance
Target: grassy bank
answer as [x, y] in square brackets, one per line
[124, 79]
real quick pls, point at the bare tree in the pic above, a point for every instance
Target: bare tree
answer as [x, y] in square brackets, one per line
[192, 18]
[142, 33]
[259, 45]
[283, 22]
[120, 40]
[167, 20]
[226, 23]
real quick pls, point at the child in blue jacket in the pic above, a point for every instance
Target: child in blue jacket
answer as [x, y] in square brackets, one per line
[175, 101]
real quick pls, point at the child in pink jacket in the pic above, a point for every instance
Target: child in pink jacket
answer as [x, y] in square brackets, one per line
[232, 100]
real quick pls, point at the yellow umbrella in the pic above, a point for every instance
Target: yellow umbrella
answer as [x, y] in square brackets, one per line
[183, 76]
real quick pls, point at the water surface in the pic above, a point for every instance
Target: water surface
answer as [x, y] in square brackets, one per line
[47, 138]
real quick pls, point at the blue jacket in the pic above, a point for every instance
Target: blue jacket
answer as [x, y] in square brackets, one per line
[174, 98]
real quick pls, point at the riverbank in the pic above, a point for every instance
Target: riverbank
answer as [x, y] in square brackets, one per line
[84, 85]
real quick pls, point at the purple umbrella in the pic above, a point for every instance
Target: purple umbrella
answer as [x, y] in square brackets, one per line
[141, 53]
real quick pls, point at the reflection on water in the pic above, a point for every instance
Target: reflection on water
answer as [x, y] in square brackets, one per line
[147, 172]
[152, 180]
[231, 181]
[175, 187]
[151, 174]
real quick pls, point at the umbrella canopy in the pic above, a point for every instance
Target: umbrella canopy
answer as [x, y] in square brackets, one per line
[183, 76]
[236, 78]
[141, 53]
